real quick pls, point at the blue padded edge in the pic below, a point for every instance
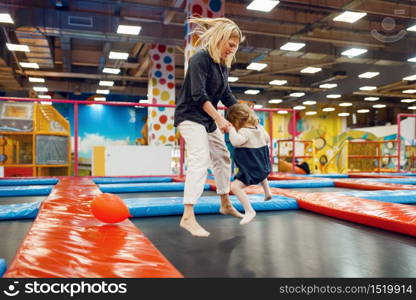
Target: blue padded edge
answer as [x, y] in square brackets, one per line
[145, 187]
[19, 211]
[147, 207]
[393, 180]
[131, 180]
[329, 175]
[301, 183]
[28, 190]
[3, 266]
[40, 181]
[396, 196]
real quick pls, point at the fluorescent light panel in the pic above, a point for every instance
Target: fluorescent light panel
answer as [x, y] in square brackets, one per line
[127, 29]
[369, 74]
[111, 71]
[291, 46]
[251, 92]
[40, 89]
[310, 113]
[262, 5]
[379, 105]
[232, 79]
[275, 101]
[297, 94]
[371, 98]
[282, 112]
[6, 18]
[309, 102]
[29, 65]
[36, 79]
[17, 47]
[104, 92]
[328, 109]
[333, 96]
[350, 16]
[409, 91]
[106, 83]
[99, 99]
[328, 85]
[413, 59]
[118, 55]
[44, 96]
[363, 111]
[256, 66]
[344, 114]
[410, 78]
[278, 82]
[354, 52]
[46, 102]
[299, 107]
[345, 104]
[311, 70]
[412, 28]
[368, 88]
[258, 106]
[408, 100]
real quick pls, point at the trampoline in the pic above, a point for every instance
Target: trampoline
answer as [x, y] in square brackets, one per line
[283, 243]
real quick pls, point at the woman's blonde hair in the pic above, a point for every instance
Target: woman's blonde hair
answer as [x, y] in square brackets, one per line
[213, 33]
[240, 115]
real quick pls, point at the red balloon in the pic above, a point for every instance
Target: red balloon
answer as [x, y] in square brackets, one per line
[109, 208]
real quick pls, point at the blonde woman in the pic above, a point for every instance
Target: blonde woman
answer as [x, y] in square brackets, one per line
[197, 118]
[251, 155]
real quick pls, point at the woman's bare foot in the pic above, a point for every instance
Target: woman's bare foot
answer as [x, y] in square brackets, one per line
[248, 216]
[230, 210]
[193, 227]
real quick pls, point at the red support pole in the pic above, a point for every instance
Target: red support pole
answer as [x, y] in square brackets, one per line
[293, 141]
[271, 139]
[76, 139]
[399, 117]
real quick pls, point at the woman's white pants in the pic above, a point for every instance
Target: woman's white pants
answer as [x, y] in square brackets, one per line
[203, 148]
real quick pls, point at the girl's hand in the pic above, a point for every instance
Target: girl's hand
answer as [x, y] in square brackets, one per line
[223, 124]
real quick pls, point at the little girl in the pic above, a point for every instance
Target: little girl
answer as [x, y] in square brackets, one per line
[251, 155]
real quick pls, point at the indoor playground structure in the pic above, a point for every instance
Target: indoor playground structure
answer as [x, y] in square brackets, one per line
[91, 224]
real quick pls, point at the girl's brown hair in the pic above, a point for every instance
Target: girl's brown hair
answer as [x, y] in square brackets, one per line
[241, 115]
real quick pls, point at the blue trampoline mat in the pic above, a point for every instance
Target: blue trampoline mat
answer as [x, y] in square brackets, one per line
[287, 184]
[144, 187]
[19, 211]
[27, 190]
[40, 181]
[3, 266]
[106, 180]
[148, 207]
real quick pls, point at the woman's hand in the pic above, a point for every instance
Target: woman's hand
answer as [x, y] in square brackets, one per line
[223, 124]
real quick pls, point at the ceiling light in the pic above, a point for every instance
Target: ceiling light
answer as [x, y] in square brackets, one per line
[327, 109]
[299, 107]
[118, 55]
[106, 83]
[144, 101]
[412, 107]
[46, 102]
[412, 28]
[350, 16]
[409, 91]
[257, 106]
[311, 70]
[344, 114]
[408, 100]
[410, 78]
[262, 5]
[36, 79]
[44, 96]
[232, 79]
[6, 18]
[104, 92]
[413, 59]
[363, 111]
[127, 29]
[278, 82]
[369, 74]
[256, 66]
[297, 94]
[275, 101]
[17, 47]
[29, 65]
[290, 46]
[111, 71]
[310, 113]
[251, 92]
[40, 89]
[282, 112]
[345, 104]
[379, 105]
[333, 96]
[372, 98]
[309, 102]
[368, 88]
[328, 85]
[354, 52]
[99, 99]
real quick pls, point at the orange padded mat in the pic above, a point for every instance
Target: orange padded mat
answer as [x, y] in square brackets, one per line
[67, 241]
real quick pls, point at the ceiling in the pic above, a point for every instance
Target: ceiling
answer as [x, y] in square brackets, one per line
[71, 40]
